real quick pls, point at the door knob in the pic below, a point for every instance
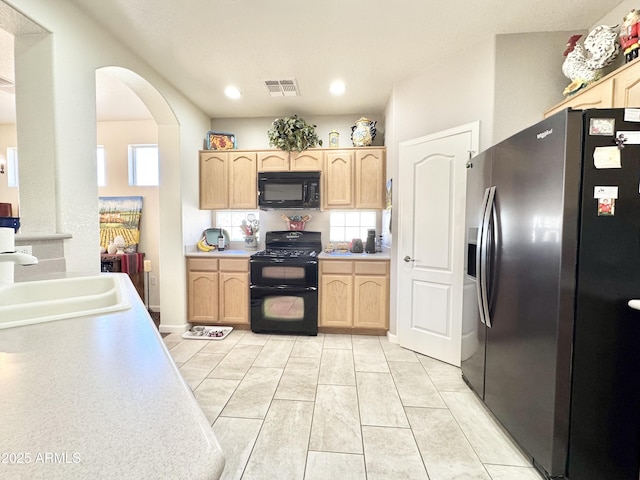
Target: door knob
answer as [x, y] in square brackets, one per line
[408, 259]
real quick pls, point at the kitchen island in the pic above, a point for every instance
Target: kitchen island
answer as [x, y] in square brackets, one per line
[99, 397]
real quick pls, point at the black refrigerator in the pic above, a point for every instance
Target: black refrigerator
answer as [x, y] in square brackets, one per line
[553, 259]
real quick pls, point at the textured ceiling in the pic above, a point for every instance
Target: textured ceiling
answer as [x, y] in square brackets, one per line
[201, 46]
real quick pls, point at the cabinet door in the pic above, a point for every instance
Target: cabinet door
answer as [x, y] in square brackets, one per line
[371, 301]
[243, 177]
[273, 161]
[214, 181]
[307, 161]
[370, 179]
[338, 180]
[599, 95]
[627, 87]
[336, 301]
[203, 297]
[234, 297]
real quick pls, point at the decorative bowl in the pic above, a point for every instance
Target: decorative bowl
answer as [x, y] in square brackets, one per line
[295, 225]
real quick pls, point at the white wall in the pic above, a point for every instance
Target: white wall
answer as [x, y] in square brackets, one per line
[528, 79]
[115, 137]
[251, 133]
[506, 83]
[80, 47]
[458, 91]
[8, 194]
[442, 96]
[615, 17]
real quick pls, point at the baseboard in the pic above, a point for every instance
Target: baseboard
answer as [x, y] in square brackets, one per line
[173, 328]
[392, 337]
[353, 331]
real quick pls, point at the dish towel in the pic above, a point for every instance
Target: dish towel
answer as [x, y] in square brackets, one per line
[132, 262]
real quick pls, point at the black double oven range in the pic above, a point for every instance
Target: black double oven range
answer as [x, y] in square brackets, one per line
[284, 283]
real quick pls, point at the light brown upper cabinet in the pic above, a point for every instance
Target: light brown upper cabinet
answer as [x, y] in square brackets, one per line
[280, 161]
[273, 161]
[338, 179]
[354, 178]
[619, 89]
[370, 178]
[599, 95]
[228, 180]
[627, 87]
[351, 177]
[306, 161]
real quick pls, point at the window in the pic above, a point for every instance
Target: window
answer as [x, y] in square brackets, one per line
[231, 222]
[12, 167]
[345, 226]
[101, 166]
[143, 165]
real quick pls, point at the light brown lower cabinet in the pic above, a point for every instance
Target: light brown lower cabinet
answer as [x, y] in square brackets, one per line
[218, 290]
[354, 294]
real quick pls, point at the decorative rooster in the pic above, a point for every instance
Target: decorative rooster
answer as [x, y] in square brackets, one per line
[582, 68]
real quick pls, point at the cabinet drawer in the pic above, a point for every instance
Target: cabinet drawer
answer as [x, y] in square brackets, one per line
[371, 267]
[331, 266]
[202, 264]
[234, 265]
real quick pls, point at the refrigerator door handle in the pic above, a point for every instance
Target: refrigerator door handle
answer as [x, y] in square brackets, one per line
[635, 304]
[479, 256]
[488, 215]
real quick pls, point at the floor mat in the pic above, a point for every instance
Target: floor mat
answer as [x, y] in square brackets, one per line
[199, 332]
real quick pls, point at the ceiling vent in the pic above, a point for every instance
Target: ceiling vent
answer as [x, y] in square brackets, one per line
[282, 88]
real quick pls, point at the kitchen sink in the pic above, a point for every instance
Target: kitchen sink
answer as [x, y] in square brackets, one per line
[47, 300]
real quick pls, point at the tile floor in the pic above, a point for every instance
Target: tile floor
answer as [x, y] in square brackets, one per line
[342, 407]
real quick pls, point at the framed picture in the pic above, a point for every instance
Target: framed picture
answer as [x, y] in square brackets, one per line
[221, 141]
[120, 216]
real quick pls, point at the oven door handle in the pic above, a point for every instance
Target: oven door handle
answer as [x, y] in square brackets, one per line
[266, 261]
[284, 288]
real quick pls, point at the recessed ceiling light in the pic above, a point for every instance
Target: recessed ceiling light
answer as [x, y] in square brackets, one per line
[232, 92]
[338, 87]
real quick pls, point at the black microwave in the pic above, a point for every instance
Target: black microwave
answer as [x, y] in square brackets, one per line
[288, 190]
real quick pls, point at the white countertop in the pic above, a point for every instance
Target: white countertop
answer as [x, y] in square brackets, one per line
[99, 397]
[231, 253]
[236, 249]
[355, 256]
[223, 254]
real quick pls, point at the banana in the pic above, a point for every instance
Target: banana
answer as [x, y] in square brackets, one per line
[203, 246]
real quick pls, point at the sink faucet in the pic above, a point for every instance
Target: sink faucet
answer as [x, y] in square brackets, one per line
[7, 261]
[18, 258]
[9, 257]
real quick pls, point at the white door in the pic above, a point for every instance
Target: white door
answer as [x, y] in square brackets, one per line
[431, 241]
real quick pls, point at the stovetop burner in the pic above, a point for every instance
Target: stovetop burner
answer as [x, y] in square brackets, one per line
[284, 252]
[291, 244]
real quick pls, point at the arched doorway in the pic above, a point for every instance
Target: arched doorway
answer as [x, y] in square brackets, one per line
[168, 256]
